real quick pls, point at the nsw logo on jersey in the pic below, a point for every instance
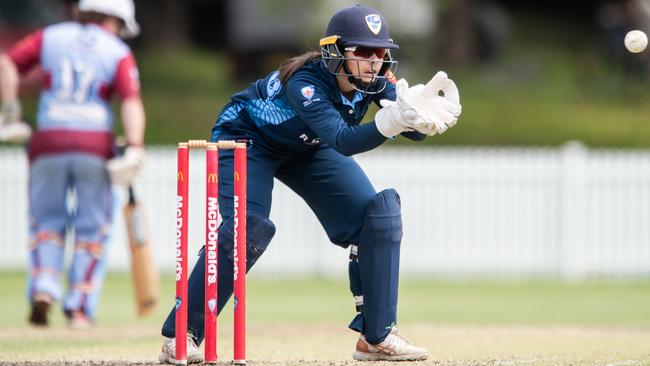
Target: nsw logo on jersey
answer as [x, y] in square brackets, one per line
[274, 85]
[308, 92]
[374, 23]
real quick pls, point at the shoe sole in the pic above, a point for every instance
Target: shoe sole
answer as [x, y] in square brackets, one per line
[363, 356]
[78, 321]
[164, 358]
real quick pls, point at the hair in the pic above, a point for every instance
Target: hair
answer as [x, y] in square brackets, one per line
[290, 66]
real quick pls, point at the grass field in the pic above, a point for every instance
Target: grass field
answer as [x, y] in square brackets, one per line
[303, 321]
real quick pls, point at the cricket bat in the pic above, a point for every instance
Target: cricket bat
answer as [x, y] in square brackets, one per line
[146, 280]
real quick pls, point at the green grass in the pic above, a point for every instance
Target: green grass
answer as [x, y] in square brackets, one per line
[289, 320]
[436, 302]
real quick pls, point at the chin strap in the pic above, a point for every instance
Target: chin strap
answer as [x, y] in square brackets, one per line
[359, 84]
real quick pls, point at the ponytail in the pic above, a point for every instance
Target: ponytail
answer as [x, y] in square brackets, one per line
[290, 66]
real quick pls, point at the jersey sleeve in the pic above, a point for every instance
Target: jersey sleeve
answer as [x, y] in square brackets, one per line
[27, 52]
[316, 109]
[127, 78]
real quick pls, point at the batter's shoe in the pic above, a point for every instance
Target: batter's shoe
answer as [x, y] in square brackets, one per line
[393, 348]
[168, 352]
[40, 310]
[78, 320]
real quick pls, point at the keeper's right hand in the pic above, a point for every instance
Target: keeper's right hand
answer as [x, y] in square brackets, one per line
[399, 116]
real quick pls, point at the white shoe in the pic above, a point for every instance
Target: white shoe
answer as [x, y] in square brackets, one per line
[393, 348]
[168, 352]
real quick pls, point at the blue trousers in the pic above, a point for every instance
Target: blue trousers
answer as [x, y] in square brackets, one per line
[335, 188]
[51, 178]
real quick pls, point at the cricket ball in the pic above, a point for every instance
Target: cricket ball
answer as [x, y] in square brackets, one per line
[636, 41]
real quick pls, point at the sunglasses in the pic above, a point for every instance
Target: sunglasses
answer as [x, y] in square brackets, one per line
[367, 52]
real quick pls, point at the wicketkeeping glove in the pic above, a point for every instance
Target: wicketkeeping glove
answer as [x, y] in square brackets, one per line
[446, 106]
[392, 120]
[125, 168]
[396, 117]
[439, 111]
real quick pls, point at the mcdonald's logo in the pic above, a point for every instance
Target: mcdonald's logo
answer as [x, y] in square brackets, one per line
[236, 176]
[180, 177]
[212, 178]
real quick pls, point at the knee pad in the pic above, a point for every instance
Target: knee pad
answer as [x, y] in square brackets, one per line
[46, 252]
[382, 224]
[93, 249]
[259, 232]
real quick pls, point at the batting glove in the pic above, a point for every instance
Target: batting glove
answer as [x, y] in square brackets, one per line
[12, 129]
[125, 168]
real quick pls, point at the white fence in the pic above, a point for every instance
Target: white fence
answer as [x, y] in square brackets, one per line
[566, 212]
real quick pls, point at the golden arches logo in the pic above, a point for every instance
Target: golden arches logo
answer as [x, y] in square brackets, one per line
[180, 177]
[212, 178]
[237, 176]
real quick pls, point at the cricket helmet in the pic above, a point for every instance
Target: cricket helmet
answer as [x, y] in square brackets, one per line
[123, 9]
[357, 28]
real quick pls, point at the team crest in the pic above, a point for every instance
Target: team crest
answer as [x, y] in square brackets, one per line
[374, 23]
[274, 85]
[308, 91]
[177, 303]
[212, 305]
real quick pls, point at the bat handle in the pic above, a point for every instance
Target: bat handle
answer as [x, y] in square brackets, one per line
[131, 196]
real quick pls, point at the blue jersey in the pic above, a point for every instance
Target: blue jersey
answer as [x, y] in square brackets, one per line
[308, 110]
